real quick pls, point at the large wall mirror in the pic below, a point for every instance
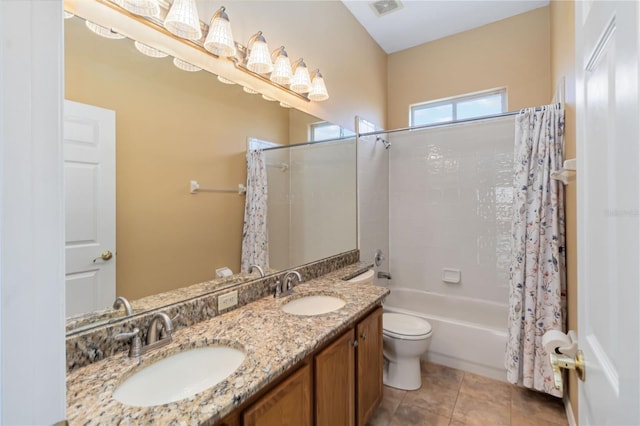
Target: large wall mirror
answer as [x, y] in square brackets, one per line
[173, 126]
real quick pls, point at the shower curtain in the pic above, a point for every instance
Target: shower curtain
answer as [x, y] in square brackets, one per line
[537, 273]
[255, 245]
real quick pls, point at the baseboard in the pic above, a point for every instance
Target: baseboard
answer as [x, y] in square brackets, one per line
[569, 410]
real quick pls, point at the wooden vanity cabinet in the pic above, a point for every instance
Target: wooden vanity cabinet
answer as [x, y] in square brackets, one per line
[288, 404]
[339, 385]
[369, 362]
[348, 375]
[335, 383]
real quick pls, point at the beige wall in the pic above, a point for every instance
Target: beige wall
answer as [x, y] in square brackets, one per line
[171, 127]
[512, 53]
[563, 65]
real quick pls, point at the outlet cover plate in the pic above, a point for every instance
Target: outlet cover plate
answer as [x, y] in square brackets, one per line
[227, 300]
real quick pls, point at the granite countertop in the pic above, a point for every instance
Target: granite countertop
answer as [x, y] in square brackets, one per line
[272, 340]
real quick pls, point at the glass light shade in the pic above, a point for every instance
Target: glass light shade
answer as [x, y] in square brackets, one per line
[283, 105]
[219, 39]
[185, 66]
[301, 82]
[318, 90]
[282, 71]
[260, 58]
[149, 51]
[183, 21]
[268, 98]
[140, 7]
[249, 90]
[103, 31]
[225, 80]
[68, 15]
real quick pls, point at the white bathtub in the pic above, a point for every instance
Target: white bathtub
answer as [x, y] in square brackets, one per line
[468, 334]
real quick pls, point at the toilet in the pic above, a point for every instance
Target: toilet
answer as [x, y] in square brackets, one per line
[404, 339]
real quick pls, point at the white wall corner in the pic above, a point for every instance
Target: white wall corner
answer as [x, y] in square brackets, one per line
[32, 333]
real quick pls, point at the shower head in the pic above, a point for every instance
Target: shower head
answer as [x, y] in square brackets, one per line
[386, 144]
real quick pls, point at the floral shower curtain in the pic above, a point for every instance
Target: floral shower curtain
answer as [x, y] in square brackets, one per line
[255, 245]
[538, 283]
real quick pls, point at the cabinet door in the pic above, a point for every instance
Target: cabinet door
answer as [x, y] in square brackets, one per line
[334, 383]
[288, 404]
[369, 365]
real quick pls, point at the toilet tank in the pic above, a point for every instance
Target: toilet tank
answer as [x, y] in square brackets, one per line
[364, 278]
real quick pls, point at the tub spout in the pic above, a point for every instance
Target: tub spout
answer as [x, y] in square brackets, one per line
[386, 275]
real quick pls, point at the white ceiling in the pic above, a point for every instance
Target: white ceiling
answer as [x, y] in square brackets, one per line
[420, 21]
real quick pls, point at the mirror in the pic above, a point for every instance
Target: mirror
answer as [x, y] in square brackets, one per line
[172, 127]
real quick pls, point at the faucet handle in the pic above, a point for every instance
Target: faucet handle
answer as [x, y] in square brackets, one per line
[136, 342]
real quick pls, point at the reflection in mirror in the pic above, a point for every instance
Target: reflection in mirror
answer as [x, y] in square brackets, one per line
[172, 127]
[311, 204]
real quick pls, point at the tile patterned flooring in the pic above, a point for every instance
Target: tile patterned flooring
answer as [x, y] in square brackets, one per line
[457, 398]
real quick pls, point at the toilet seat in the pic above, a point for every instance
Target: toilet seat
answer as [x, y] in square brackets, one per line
[405, 327]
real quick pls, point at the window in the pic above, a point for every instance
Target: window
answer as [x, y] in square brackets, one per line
[324, 131]
[459, 108]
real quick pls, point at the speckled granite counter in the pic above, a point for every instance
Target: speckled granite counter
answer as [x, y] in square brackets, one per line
[272, 340]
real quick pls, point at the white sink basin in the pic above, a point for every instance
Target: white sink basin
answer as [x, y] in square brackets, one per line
[179, 376]
[313, 305]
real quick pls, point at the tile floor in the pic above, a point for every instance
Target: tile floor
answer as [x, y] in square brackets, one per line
[456, 398]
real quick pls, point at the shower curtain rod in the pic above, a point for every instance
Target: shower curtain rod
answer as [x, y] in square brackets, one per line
[309, 143]
[466, 120]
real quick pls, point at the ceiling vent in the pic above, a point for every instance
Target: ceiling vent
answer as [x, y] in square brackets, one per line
[384, 7]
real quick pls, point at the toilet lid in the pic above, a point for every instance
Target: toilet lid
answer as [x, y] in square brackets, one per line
[404, 326]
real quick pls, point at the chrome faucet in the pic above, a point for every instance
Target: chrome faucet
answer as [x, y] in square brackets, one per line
[159, 319]
[154, 339]
[287, 281]
[122, 301]
[252, 267]
[285, 287]
[386, 275]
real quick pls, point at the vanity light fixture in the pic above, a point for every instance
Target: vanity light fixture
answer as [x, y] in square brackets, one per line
[281, 73]
[149, 51]
[283, 105]
[68, 15]
[185, 66]
[103, 31]
[259, 57]
[219, 39]
[140, 7]
[249, 90]
[301, 82]
[180, 19]
[318, 88]
[225, 80]
[268, 98]
[183, 21]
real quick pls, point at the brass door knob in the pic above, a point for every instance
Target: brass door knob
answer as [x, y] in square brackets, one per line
[106, 255]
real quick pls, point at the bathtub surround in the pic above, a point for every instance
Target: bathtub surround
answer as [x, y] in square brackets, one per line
[450, 207]
[538, 281]
[255, 241]
[90, 346]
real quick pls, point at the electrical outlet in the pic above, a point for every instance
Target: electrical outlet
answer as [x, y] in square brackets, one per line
[227, 300]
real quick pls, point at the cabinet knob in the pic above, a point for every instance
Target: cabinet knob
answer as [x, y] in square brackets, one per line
[363, 336]
[355, 343]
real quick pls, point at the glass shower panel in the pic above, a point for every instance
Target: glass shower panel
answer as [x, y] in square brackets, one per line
[311, 202]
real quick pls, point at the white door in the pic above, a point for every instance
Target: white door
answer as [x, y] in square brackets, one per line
[608, 211]
[90, 214]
